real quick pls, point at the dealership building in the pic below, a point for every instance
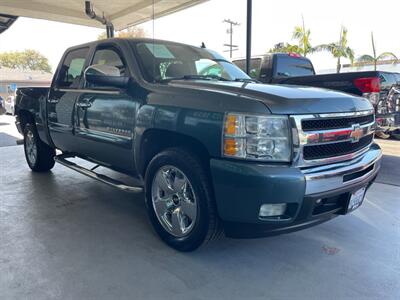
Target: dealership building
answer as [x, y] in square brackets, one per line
[11, 79]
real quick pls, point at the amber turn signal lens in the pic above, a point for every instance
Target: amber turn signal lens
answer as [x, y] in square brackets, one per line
[230, 147]
[231, 124]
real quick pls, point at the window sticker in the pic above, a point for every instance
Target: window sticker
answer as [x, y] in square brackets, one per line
[76, 66]
[159, 51]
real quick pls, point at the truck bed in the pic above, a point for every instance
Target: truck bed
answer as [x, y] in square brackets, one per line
[343, 82]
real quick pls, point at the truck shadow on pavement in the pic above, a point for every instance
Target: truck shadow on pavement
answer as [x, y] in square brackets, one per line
[7, 140]
[390, 170]
[79, 229]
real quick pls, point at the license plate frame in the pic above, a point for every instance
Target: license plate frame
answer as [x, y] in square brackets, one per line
[356, 199]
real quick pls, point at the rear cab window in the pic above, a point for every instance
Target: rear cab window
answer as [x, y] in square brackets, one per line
[72, 68]
[289, 66]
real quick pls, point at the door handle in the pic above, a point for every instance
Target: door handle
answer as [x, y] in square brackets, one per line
[54, 101]
[85, 104]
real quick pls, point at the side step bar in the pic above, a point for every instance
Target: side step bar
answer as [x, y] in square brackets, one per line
[62, 159]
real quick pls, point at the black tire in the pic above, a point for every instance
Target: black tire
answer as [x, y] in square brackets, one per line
[206, 226]
[44, 155]
[395, 134]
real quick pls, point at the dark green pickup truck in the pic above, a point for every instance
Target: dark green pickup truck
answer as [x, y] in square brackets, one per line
[214, 150]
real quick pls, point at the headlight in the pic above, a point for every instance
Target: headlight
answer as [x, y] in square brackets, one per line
[264, 138]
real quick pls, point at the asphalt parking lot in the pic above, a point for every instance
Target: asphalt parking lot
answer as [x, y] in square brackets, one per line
[65, 236]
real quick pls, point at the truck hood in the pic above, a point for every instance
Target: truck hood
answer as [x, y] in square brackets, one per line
[284, 99]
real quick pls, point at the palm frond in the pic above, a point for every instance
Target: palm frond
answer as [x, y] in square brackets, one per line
[349, 54]
[386, 55]
[326, 47]
[298, 33]
[365, 58]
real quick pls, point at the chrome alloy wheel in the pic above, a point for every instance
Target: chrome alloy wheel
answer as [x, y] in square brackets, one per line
[174, 201]
[31, 148]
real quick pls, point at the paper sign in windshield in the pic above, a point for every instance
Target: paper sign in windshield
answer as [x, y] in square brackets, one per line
[159, 51]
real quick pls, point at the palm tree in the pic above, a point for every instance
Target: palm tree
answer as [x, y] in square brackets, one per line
[302, 35]
[285, 48]
[338, 49]
[374, 58]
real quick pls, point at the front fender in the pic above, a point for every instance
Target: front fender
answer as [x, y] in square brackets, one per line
[202, 126]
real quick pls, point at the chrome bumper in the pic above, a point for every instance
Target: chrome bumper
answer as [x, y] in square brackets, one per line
[334, 176]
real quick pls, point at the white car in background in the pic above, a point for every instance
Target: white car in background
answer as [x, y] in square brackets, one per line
[9, 105]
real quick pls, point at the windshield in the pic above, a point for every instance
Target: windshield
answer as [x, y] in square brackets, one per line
[288, 66]
[162, 61]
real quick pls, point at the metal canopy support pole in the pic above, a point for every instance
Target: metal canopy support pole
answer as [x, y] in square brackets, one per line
[110, 30]
[248, 37]
[91, 14]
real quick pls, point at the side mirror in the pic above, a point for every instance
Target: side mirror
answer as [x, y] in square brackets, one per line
[105, 75]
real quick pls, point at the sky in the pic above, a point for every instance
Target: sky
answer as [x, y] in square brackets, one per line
[273, 22]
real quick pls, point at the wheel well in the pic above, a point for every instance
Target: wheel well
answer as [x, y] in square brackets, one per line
[25, 117]
[156, 140]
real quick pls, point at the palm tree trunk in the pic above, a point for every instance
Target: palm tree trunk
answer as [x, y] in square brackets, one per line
[338, 65]
[373, 49]
[304, 37]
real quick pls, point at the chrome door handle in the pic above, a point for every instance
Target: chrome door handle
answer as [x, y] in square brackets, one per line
[54, 101]
[85, 104]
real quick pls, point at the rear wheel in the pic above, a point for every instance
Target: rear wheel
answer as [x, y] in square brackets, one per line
[39, 156]
[179, 200]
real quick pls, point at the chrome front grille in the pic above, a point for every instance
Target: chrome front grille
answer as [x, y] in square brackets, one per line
[327, 138]
[335, 123]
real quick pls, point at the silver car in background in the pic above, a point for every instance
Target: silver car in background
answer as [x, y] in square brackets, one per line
[9, 105]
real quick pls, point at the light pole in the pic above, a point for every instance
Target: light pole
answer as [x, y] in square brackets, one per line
[248, 37]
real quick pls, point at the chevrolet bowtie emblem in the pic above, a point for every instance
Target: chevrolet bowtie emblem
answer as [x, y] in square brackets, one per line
[356, 133]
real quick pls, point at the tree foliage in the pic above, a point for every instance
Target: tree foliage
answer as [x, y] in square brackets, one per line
[338, 49]
[286, 48]
[375, 58]
[302, 35]
[130, 32]
[25, 60]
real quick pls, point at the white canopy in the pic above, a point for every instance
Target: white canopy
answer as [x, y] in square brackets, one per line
[122, 13]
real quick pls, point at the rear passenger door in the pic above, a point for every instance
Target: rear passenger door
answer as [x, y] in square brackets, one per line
[62, 97]
[106, 116]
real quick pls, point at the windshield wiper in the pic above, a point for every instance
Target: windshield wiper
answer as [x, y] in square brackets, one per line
[246, 80]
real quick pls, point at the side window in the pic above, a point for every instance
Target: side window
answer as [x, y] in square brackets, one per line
[109, 57]
[72, 68]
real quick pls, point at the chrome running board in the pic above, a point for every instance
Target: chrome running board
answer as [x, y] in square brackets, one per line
[62, 159]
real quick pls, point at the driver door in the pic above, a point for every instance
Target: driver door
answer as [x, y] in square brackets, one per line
[106, 117]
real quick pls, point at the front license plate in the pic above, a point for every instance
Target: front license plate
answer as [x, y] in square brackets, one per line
[356, 199]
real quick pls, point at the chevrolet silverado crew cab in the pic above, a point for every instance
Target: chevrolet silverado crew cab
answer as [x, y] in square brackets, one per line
[212, 150]
[382, 89]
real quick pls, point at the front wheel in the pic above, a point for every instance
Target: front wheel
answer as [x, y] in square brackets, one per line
[39, 156]
[179, 200]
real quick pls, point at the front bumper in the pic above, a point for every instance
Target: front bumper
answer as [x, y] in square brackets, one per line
[313, 195]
